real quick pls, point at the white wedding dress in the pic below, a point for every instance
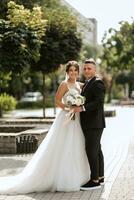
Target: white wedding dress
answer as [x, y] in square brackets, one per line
[59, 164]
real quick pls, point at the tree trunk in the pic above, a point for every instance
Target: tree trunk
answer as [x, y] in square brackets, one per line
[130, 89]
[126, 91]
[54, 84]
[44, 97]
[110, 90]
[1, 113]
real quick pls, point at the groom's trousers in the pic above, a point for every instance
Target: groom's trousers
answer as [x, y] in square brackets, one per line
[94, 152]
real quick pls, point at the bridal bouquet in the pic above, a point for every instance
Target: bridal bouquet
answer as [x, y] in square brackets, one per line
[73, 98]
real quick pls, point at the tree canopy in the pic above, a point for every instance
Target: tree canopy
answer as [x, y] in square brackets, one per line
[20, 38]
[61, 43]
[118, 52]
[119, 47]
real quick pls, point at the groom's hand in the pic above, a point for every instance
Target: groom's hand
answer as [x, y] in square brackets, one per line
[77, 109]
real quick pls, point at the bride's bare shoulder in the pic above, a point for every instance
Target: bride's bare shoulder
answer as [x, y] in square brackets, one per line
[62, 89]
[63, 85]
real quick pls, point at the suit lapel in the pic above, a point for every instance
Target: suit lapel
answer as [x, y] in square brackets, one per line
[88, 84]
[84, 86]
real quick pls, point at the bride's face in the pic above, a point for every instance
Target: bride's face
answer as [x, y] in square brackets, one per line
[73, 72]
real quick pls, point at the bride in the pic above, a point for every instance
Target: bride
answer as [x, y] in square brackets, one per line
[60, 163]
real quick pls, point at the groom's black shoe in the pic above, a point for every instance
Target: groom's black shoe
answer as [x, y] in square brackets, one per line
[101, 181]
[90, 185]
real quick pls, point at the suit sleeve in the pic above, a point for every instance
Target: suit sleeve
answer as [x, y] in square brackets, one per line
[99, 94]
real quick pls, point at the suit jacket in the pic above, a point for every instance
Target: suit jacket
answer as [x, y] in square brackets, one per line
[93, 116]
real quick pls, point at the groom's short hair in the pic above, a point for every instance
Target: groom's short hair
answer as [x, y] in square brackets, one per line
[90, 61]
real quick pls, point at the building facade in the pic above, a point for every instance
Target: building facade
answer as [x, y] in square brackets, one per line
[86, 26]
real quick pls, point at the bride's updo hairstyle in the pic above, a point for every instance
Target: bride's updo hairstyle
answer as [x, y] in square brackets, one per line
[72, 63]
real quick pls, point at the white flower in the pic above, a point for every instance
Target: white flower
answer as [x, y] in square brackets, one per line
[69, 100]
[80, 100]
[74, 98]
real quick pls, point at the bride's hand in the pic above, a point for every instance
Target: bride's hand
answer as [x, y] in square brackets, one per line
[77, 109]
[67, 109]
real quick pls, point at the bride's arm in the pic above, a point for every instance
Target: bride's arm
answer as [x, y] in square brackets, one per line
[62, 89]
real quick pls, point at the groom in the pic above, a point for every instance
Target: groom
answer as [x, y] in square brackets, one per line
[92, 123]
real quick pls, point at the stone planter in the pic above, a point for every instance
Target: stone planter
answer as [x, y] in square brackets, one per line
[8, 143]
[110, 113]
[23, 142]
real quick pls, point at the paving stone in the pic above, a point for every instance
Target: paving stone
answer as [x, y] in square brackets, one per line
[123, 187]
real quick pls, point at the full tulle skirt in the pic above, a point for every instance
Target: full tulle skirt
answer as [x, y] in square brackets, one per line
[59, 164]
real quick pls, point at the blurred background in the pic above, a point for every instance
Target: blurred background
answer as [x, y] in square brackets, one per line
[38, 37]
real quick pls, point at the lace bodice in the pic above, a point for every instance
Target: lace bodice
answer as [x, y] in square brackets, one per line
[75, 88]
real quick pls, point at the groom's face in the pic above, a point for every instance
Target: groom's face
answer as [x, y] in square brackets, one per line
[89, 70]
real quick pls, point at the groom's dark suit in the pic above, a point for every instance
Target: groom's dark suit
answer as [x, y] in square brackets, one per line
[93, 122]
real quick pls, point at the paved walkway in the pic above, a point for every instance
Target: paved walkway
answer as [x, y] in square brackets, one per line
[119, 165]
[119, 182]
[123, 187]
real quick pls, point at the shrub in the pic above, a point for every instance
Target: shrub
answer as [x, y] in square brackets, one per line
[7, 103]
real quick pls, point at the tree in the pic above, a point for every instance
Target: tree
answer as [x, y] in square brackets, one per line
[118, 51]
[61, 43]
[19, 46]
[88, 51]
[4, 80]
[6, 103]
[27, 4]
[125, 38]
[126, 78]
[31, 3]
[20, 38]
[109, 64]
[33, 19]
[20, 41]
[60, 39]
